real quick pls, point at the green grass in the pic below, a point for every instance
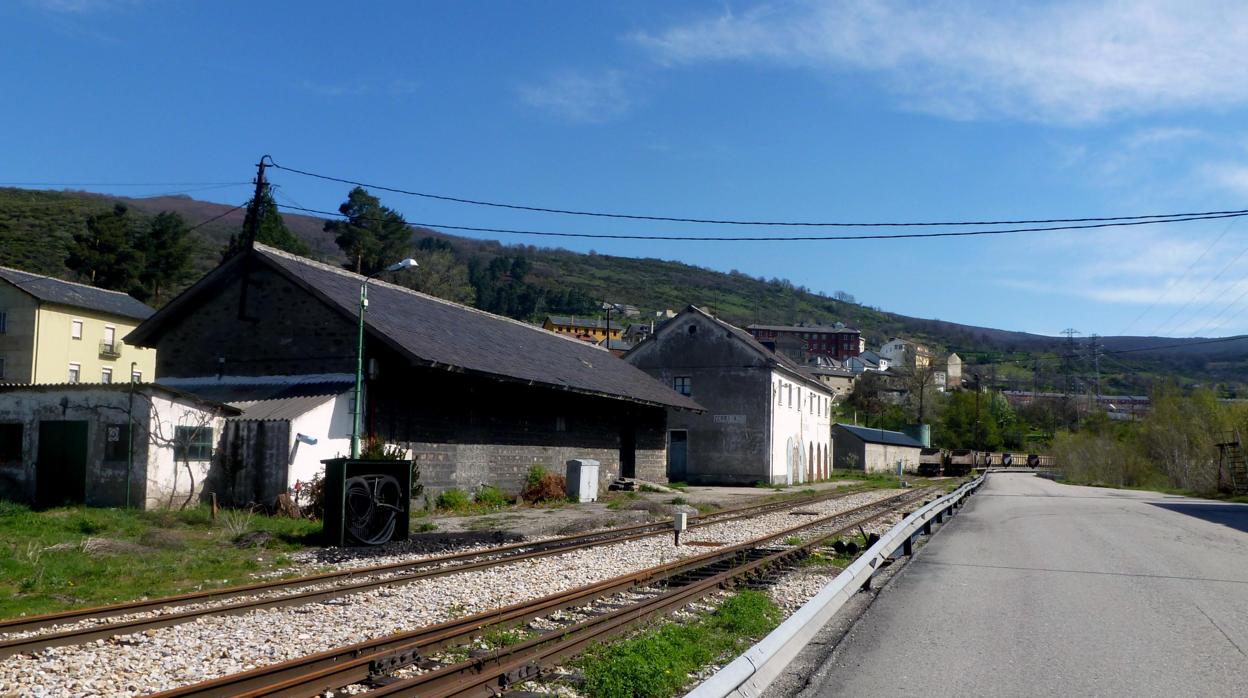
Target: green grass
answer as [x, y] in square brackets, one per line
[47, 564]
[503, 637]
[619, 500]
[426, 527]
[794, 540]
[678, 501]
[486, 501]
[657, 662]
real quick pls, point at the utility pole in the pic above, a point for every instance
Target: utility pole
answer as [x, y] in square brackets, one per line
[256, 209]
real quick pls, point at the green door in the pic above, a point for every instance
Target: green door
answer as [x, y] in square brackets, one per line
[61, 470]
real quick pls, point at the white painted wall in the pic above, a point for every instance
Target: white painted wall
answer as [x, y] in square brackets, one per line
[798, 428]
[328, 423]
[169, 482]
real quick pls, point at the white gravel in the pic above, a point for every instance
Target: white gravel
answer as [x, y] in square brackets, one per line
[210, 647]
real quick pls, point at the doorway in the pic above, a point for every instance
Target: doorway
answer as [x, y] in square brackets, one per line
[677, 455]
[61, 467]
[628, 451]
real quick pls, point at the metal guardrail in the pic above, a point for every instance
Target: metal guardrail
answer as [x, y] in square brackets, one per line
[750, 674]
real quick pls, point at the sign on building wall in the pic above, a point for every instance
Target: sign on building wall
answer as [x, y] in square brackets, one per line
[729, 419]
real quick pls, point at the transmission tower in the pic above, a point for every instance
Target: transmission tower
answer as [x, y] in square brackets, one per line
[1069, 351]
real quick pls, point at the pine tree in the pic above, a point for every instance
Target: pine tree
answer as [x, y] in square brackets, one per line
[167, 251]
[372, 236]
[104, 255]
[272, 232]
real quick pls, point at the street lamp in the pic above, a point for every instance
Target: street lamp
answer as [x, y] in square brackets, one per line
[359, 353]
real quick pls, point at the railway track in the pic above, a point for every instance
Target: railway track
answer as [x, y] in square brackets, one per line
[652, 591]
[28, 634]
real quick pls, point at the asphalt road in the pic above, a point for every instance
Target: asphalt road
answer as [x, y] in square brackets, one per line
[1043, 589]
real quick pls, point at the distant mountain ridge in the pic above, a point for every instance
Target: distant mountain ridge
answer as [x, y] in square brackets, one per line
[36, 227]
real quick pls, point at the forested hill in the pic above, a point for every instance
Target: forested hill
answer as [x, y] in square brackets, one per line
[36, 229]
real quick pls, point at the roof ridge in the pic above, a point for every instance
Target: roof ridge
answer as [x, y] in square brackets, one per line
[346, 272]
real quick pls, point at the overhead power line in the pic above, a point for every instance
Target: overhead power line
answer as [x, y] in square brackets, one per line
[720, 221]
[218, 217]
[783, 238]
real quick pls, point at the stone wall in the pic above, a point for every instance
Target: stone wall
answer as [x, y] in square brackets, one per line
[283, 330]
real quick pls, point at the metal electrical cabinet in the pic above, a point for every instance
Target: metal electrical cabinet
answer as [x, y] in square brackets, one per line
[582, 479]
[367, 502]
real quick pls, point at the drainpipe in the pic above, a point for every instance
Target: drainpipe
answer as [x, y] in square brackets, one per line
[130, 434]
[34, 367]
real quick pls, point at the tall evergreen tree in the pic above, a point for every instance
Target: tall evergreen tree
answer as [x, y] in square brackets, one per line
[372, 236]
[273, 231]
[104, 254]
[166, 250]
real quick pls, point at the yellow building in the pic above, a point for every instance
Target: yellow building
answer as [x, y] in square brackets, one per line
[54, 331]
[588, 329]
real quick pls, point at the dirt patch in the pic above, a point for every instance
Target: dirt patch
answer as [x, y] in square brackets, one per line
[163, 539]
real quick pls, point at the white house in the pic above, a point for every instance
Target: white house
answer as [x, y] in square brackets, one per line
[70, 444]
[767, 419]
[903, 352]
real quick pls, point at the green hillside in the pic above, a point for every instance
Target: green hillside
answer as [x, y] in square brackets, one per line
[529, 282]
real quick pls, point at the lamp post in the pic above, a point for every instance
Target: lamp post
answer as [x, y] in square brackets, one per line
[357, 408]
[978, 446]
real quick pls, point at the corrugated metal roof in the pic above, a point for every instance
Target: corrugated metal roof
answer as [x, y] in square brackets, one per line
[68, 293]
[881, 436]
[236, 393]
[282, 409]
[440, 333]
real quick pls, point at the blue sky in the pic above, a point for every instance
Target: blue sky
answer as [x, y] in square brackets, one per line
[883, 111]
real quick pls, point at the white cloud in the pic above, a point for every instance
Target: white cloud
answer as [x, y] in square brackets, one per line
[1066, 62]
[1232, 177]
[581, 97]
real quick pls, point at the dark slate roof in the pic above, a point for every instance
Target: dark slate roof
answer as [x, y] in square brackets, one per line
[442, 334]
[776, 360]
[68, 293]
[881, 436]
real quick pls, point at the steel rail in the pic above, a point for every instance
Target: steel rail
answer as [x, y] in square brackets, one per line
[328, 670]
[402, 572]
[526, 660]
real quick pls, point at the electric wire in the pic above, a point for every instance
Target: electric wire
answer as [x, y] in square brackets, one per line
[719, 221]
[779, 238]
[1204, 288]
[218, 216]
[1187, 272]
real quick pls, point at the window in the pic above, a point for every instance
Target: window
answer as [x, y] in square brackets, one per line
[683, 385]
[75, 329]
[75, 372]
[788, 388]
[110, 338]
[561, 423]
[4, 322]
[192, 443]
[136, 376]
[1, 368]
[116, 442]
[10, 442]
[106, 376]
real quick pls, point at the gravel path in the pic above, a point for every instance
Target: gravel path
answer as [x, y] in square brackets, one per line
[163, 658]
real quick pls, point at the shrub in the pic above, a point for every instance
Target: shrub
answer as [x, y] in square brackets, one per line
[547, 488]
[492, 498]
[454, 500]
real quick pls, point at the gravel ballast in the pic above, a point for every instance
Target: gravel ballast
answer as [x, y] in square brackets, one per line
[210, 647]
